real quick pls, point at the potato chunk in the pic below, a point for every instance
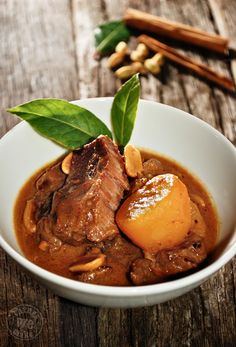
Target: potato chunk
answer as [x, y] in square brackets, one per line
[158, 215]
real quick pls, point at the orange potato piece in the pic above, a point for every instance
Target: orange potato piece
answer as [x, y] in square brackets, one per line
[158, 215]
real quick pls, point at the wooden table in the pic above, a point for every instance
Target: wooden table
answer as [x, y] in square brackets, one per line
[47, 51]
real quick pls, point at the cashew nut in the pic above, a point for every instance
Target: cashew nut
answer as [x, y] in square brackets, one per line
[198, 200]
[125, 72]
[140, 53]
[66, 163]
[154, 64]
[139, 67]
[115, 59]
[88, 263]
[28, 216]
[43, 245]
[122, 48]
[133, 161]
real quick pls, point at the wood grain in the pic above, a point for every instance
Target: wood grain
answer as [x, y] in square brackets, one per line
[47, 50]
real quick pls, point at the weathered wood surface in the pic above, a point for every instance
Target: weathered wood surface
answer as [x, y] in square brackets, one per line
[46, 50]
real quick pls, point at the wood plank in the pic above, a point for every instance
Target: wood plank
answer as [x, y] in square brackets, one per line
[224, 13]
[37, 60]
[78, 324]
[199, 311]
[210, 104]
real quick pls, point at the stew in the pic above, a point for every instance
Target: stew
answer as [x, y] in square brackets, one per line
[73, 218]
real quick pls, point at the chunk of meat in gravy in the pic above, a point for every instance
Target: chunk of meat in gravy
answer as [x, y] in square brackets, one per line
[50, 181]
[119, 256]
[84, 207]
[151, 167]
[180, 259]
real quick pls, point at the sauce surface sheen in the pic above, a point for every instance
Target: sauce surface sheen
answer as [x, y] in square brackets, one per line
[60, 261]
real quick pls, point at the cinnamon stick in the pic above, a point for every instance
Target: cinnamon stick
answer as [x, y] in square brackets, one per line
[200, 69]
[150, 23]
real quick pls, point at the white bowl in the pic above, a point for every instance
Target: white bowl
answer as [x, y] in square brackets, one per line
[172, 132]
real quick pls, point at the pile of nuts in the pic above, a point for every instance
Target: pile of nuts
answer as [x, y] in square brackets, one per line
[138, 58]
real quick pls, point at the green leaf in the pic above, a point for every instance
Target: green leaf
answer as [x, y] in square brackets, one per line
[69, 125]
[124, 109]
[109, 34]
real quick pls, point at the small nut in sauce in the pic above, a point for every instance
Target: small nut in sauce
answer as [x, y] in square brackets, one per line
[66, 163]
[88, 263]
[28, 216]
[43, 245]
[198, 200]
[133, 161]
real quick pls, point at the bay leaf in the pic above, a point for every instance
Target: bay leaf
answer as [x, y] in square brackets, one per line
[69, 125]
[124, 109]
[108, 35]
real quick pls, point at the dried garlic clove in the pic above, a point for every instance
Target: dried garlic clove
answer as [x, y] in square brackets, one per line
[88, 263]
[28, 216]
[43, 245]
[66, 163]
[115, 59]
[125, 72]
[133, 161]
[122, 48]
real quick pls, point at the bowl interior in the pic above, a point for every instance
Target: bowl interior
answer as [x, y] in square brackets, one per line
[174, 133]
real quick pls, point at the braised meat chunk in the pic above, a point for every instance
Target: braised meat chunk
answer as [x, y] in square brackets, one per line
[84, 207]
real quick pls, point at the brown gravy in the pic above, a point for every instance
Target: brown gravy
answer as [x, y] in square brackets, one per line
[58, 262]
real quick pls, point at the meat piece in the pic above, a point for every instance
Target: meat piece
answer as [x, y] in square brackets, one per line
[142, 273]
[105, 275]
[49, 182]
[44, 230]
[84, 207]
[182, 258]
[122, 251]
[151, 167]
[119, 256]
